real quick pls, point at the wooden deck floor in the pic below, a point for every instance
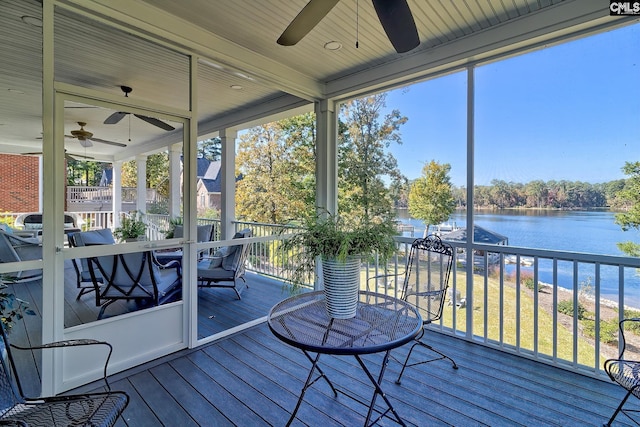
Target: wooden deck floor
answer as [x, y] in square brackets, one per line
[252, 379]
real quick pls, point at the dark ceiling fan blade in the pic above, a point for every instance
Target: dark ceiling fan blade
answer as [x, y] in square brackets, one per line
[77, 156]
[155, 122]
[104, 141]
[397, 21]
[304, 22]
[115, 118]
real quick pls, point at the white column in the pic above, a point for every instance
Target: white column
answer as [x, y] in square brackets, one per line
[228, 182]
[116, 192]
[141, 186]
[326, 156]
[175, 172]
[326, 166]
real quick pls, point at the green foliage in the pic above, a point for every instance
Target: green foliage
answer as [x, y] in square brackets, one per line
[608, 330]
[210, 149]
[11, 308]
[173, 222]
[431, 198]
[329, 236]
[209, 213]
[529, 283]
[566, 307]
[363, 157]
[157, 166]
[630, 219]
[87, 173]
[131, 226]
[277, 164]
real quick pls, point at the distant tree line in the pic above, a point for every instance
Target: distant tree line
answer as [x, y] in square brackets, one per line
[538, 194]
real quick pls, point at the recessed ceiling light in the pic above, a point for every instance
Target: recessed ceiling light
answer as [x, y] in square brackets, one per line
[32, 20]
[210, 63]
[333, 45]
[236, 87]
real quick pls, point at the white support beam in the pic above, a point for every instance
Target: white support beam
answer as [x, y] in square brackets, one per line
[326, 156]
[228, 182]
[175, 172]
[116, 188]
[141, 187]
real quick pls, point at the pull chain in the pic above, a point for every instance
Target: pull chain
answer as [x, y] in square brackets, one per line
[357, 21]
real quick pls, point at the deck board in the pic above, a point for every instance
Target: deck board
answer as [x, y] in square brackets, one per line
[251, 378]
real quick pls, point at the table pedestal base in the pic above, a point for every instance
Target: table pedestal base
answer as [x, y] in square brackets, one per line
[311, 379]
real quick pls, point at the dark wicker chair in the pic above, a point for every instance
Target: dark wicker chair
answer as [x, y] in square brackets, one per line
[625, 373]
[424, 284]
[92, 409]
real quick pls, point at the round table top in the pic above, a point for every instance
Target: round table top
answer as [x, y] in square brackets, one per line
[381, 323]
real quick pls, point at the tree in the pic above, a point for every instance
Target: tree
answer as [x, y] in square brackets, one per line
[631, 218]
[210, 149]
[431, 195]
[276, 162]
[363, 160]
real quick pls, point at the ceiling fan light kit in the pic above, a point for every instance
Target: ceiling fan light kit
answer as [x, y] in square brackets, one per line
[86, 139]
[394, 15]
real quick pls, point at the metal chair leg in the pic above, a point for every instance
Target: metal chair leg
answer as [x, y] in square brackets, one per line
[618, 409]
[427, 346]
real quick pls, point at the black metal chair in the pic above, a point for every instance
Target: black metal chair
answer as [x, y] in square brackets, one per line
[625, 373]
[91, 409]
[81, 266]
[424, 284]
[135, 276]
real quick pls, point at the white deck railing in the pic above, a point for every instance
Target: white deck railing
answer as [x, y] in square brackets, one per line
[524, 301]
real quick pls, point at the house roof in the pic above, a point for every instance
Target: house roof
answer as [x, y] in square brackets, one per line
[480, 235]
[209, 175]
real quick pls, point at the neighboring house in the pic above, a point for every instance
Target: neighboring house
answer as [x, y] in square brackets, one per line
[208, 185]
[107, 176]
[19, 183]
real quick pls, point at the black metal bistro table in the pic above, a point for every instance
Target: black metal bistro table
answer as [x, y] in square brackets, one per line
[381, 324]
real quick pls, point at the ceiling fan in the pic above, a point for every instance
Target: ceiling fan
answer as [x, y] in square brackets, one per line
[394, 15]
[118, 115]
[86, 138]
[67, 156]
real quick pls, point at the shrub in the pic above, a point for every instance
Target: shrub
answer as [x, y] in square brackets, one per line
[566, 307]
[608, 330]
[529, 283]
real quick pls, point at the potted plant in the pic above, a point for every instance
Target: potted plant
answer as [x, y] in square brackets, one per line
[11, 308]
[132, 227]
[340, 247]
[173, 223]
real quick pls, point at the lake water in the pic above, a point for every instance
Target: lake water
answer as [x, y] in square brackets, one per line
[576, 231]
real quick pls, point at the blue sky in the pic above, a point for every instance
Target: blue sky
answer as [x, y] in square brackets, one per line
[569, 112]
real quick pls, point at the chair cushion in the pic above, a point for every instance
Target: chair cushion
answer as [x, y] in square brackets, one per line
[94, 237]
[205, 272]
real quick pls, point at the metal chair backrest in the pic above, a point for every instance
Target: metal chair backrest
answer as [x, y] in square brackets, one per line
[427, 276]
[238, 257]
[10, 390]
